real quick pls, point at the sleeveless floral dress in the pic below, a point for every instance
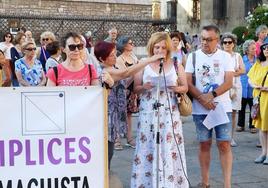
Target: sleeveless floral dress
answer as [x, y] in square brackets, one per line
[172, 164]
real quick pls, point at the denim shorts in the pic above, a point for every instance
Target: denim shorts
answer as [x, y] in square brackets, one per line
[223, 131]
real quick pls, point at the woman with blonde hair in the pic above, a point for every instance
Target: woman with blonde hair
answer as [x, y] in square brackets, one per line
[29, 70]
[171, 164]
[42, 54]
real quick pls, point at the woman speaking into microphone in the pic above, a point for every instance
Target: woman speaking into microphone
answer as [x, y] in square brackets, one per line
[168, 166]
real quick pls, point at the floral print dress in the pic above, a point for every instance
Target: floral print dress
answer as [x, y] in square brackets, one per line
[117, 111]
[172, 164]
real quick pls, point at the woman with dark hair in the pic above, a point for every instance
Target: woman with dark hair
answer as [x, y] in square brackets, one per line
[126, 59]
[259, 81]
[16, 53]
[54, 50]
[105, 52]
[177, 53]
[228, 42]
[74, 71]
[7, 44]
[4, 71]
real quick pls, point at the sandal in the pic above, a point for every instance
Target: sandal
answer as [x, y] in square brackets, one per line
[240, 129]
[118, 145]
[131, 143]
[253, 130]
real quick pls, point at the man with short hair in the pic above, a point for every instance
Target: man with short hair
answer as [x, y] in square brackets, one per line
[213, 76]
[112, 35]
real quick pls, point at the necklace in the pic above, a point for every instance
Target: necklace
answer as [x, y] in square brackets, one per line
[210, 54]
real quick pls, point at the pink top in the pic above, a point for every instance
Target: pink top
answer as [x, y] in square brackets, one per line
[258, 49]
[69, 78]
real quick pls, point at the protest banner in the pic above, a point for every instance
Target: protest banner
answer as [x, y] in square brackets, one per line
[53, 137]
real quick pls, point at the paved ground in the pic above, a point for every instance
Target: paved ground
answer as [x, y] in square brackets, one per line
[246, 174]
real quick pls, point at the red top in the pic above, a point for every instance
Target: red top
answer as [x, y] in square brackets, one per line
[69, 78]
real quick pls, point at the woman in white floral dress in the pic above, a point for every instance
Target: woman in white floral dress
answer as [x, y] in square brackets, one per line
[172, 163]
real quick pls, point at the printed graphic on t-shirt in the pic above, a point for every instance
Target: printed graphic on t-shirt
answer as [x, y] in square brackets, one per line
[75, 82]
[207, 76]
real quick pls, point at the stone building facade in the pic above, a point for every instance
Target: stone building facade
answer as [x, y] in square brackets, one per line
[87, 8]
[193, 14]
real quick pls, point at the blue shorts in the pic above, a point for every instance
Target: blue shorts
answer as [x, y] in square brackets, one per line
[223, 131]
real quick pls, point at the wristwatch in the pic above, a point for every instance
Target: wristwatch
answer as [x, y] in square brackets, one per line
[214, 94]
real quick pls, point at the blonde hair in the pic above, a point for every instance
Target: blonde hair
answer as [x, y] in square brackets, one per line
[156, 38]
[27, 43]
[47, 34]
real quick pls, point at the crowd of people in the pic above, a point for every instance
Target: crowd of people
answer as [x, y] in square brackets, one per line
[207, 67]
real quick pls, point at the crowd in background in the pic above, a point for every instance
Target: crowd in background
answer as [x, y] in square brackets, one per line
[74, 60]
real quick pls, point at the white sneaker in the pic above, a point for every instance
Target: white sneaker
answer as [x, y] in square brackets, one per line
[233, 143]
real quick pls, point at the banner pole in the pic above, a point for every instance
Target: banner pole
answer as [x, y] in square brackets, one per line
[106, 171]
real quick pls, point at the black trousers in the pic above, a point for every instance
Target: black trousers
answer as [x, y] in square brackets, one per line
[242, 113]
[110, 153]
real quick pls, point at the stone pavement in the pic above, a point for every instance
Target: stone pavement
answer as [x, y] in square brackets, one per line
[246, 174]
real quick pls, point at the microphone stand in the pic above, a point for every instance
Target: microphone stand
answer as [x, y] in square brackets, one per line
[156, 107]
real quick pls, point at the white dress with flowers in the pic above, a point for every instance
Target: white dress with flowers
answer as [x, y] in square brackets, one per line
[171, 170]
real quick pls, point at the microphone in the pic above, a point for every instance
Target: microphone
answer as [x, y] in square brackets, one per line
[175, 62]
[103, 84]
[161, 65]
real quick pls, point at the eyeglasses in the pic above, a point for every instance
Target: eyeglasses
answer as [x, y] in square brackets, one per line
[45, 39]
[72, 47]
[207, 39]
[131, 43]
[265, 47]
[227, 42]
[30, 49]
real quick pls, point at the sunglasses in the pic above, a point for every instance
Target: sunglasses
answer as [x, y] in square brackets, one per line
[131, 43]
[30, 49]
[72, 47]
[45, 39]
[227, 42]
[264, 47]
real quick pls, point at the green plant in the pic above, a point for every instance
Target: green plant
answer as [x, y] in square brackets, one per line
[240, 32]
[258, 17]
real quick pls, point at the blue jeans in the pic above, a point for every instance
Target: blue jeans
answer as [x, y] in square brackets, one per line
[223, 131]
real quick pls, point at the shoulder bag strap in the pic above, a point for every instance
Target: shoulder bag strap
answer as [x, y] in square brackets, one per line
[90, 73]
[263, 81]
[194, 62]
[55, 69]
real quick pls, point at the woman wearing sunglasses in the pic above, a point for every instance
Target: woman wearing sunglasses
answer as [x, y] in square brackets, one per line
[228, 42]
[28, 69]
[6, 45]
[259, 81]
[126, 59]
[74, 71]
[42, 54]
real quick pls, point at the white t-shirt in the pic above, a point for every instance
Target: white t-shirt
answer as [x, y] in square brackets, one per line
[210, 71]
[6, 49]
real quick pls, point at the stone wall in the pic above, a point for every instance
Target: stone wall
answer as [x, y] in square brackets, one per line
[92, 8]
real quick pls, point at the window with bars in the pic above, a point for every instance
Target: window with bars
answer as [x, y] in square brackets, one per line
[196, 10]
[250, 5]
[219, 9]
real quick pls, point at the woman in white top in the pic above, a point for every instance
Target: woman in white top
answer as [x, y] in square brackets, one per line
[171, 171]
[7, 44]
[228, 42]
